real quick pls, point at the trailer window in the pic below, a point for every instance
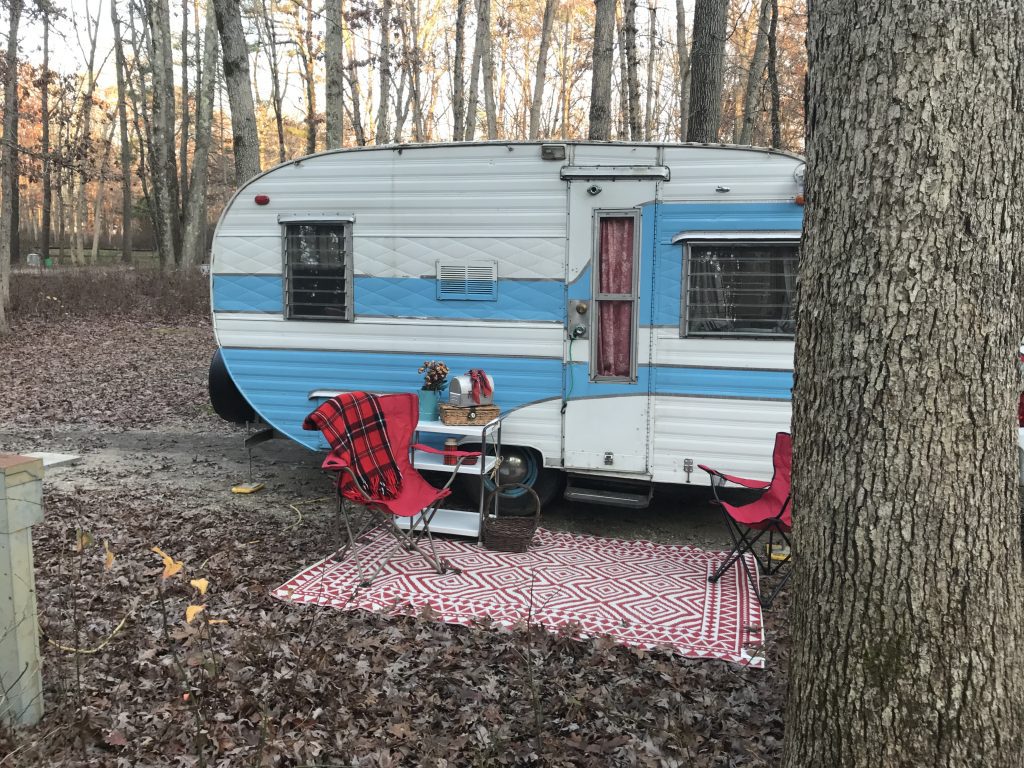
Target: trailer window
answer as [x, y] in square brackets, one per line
[740, 289]
[318, 271]
[613, 350]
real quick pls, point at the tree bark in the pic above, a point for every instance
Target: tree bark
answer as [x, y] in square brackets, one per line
[706, 62]
[487, 67]
[334, 96]
[186, 112]
[458, 74]
[755, 75]
[194, 240]
[601, 79]
[773, 74]
[632, 71]
[44, 105]
[908, 588]
[550, 6]
[244, 135]
[474, 80]
[652, 48]
[683, 59]
[126, 149]
[382, 135]
[353, 85]
[8, 159]
[163, 159]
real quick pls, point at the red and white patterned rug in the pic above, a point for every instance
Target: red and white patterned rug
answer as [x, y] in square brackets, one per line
[636, 592]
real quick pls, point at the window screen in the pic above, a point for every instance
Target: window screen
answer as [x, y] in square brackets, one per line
[318, 271]
[740, 289]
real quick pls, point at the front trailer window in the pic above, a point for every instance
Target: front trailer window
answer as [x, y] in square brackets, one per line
[318, 271]
[740, 289]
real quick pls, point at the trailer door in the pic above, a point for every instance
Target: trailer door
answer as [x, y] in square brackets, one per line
[607, 386]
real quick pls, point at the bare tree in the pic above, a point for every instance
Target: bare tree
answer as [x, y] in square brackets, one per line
[44, 107]
[601, 85]
[356, 115]
[632, 73]
[773, 74]
[382, 135]
[683, 60]
[652, 55]
[244, 135]
[474, 80]
[101, 189]
[163, 158]
[458, 74]
[186, 112]
[193, 242]
[709, 21]
[487, 66]
[909, 587]
[266, 30]
[126, 149]
[334, 65]
[755, 75]
[550, 6]
[8, 159]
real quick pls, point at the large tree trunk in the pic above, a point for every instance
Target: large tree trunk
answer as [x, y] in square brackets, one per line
[334, 89]
[550, 6]
[8, 160]
[308, 54]
[474, 80]
[194, 240]
[652, 54]
[186, 111]
[908, 591]
[706, 68]
[244, 136]
[755, 75]
[601, 79]
[126, 149]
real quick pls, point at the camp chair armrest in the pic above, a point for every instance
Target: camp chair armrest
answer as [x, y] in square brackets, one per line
[431, 449]
[757, 485]
[334, 464]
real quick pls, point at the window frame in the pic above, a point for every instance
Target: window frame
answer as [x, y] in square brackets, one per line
[760, 237]
[633, 296]
[346, 221]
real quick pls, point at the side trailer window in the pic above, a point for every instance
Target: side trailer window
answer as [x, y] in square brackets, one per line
[740, 289]
[614, 345]
[318, 271]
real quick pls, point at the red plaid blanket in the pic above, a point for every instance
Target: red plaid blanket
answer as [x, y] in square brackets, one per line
[354, 425]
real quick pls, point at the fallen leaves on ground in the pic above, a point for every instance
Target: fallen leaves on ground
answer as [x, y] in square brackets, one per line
[268, 683]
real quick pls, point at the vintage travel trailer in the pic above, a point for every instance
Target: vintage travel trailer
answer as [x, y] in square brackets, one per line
[633, 302]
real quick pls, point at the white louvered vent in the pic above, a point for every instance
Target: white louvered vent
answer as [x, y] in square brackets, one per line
[471, 281]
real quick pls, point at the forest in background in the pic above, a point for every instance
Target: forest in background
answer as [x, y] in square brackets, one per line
[119, 140]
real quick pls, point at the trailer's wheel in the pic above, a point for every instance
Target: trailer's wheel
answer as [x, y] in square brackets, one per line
[225, 398]
[518, 465]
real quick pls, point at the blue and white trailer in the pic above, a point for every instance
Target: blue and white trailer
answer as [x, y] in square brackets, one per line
[633, 302]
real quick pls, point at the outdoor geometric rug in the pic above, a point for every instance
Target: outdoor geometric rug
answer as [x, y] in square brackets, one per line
[637, 593]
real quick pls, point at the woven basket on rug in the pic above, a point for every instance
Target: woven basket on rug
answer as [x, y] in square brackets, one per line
[467, 415]
[509, 534]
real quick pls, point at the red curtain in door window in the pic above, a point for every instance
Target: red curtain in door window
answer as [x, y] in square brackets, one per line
[615, 317]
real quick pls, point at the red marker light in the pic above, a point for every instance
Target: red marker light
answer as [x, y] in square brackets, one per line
[262, 199]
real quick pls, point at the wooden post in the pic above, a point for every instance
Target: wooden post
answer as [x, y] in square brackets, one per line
[21, 506]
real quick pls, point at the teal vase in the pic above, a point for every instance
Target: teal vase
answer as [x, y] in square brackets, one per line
[429, 400]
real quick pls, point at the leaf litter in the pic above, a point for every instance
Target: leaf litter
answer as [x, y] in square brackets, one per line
[248, 680]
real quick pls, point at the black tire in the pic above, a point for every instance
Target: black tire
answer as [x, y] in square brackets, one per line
[546, 483]
[225, 398]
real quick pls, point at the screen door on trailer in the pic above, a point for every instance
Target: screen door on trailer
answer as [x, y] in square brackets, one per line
[607, 412]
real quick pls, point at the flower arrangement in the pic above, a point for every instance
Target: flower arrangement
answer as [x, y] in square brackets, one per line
[435, 375]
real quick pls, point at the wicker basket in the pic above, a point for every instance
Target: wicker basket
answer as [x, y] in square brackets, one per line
[468, 415]
[509, 534]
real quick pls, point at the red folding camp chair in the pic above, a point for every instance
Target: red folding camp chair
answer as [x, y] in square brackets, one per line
[771, 513]
[416, 500]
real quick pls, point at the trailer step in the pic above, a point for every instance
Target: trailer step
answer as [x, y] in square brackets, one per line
[638, 497]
